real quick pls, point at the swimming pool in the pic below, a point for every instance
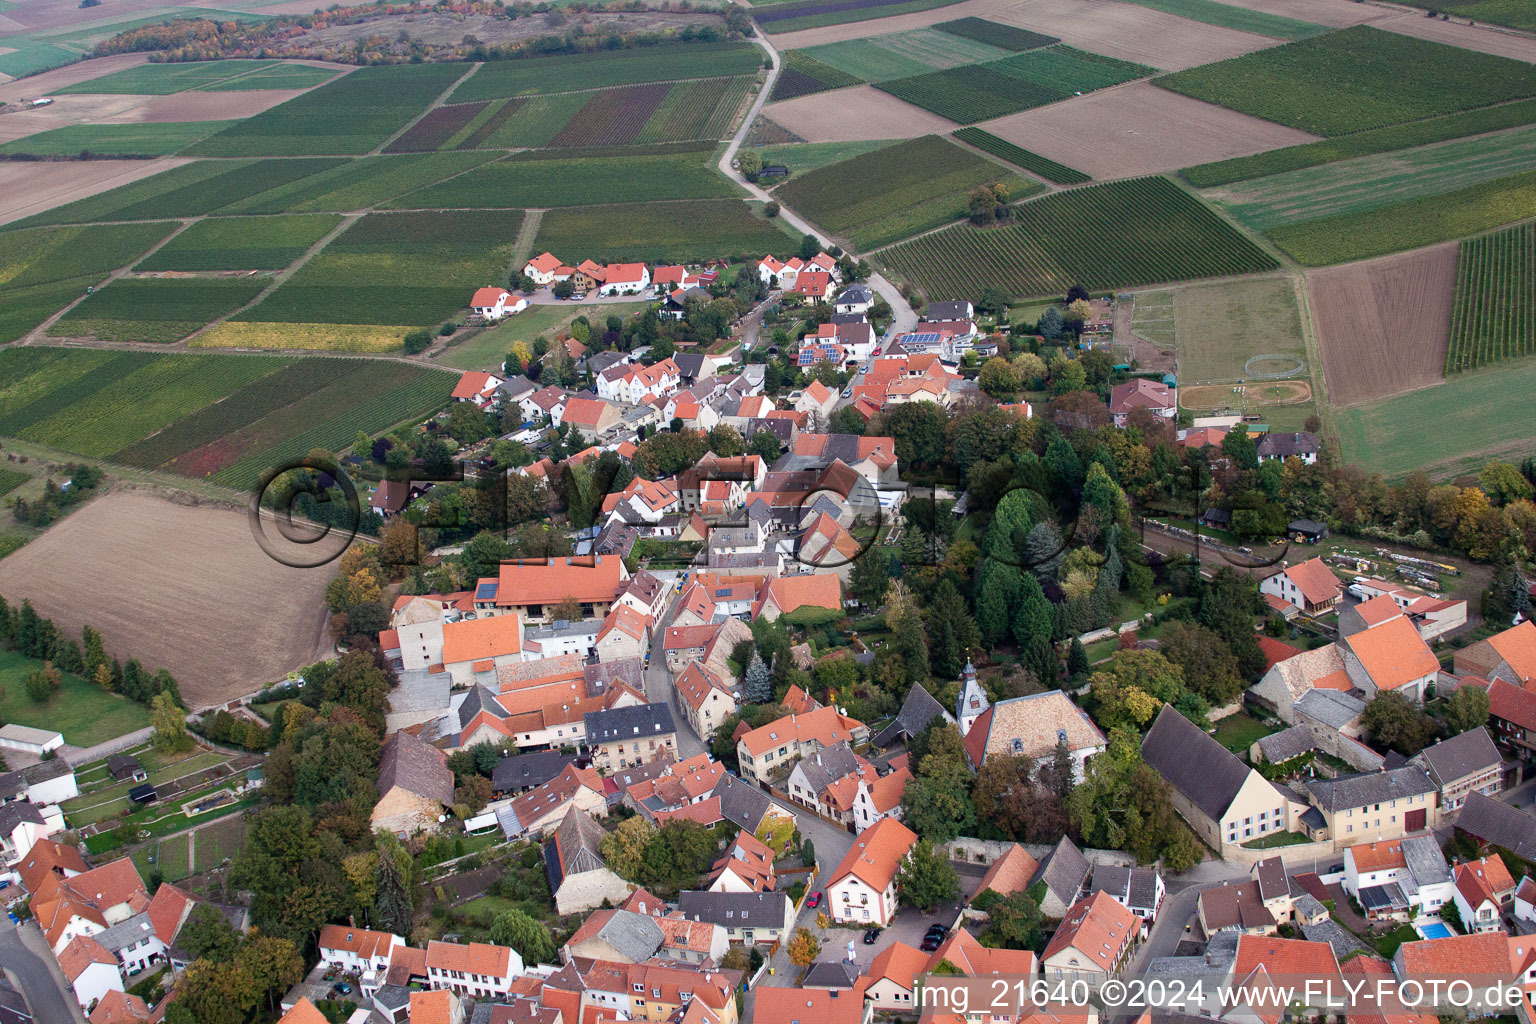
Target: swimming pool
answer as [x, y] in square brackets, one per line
[1435, 930]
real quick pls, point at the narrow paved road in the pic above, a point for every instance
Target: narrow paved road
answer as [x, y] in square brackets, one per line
[38, 979]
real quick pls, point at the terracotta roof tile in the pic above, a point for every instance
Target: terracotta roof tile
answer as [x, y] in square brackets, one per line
[1097, 927]
[1393, 653]
[876, 854]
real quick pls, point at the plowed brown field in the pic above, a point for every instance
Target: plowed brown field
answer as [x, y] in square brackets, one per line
[1383, 324]
[180, 587]
[849, 115]
[27, 188]
[1140, 129]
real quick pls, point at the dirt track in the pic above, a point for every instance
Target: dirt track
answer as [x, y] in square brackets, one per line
[180, 587]
[28, 188]
[1383, 325]
[1140, 129]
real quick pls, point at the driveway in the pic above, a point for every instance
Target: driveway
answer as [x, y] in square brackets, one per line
[39, 980]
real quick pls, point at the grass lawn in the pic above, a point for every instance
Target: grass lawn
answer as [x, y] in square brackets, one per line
[1387, 944]
[165, 820]
[82, 711]
[213, 843]
[1283, 839]
[1238, 732]
[486, 350]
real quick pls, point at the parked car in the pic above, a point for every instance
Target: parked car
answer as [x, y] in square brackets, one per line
[341, 988]
[872, 936]
[815, 900]
[930, 943]
[848, 392]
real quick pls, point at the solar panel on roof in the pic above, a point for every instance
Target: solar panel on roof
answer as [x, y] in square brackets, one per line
[485, 591]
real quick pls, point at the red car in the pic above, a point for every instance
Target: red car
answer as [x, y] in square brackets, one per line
[814, 901]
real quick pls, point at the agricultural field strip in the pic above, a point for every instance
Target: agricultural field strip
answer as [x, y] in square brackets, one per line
[155, 310]
[150, 79]
[1379, 140]
[1409, 225]
[436, 103]
[1126, 233]
[1493, 316]
[903, 54]
[608, 69]
[1381, 180]
[1034, 163]
[1355, 79]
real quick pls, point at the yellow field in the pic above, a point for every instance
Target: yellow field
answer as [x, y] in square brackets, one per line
[325, 337]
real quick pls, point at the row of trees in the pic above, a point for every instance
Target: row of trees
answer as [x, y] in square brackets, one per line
[57, 499]
[31, 635]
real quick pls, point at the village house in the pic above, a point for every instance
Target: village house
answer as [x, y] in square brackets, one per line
[474, 649]
[1511, 715]
[1389, 656]
[705, 698]
[542, 268]
[478, 387]
[1140, 393]
[856, 298]
[624, 279]
[1374, 806]
[1483, 890]
[477, 969]
[663, 993]
[1510, 656]
[1310, 586]
[357, 949]
[805, 1006]
[777, 745]
[1257, 906]
[542, 808]
[1093, 942]
[1431, 616]
[1224, 800]
[747, 866]
[548, 401]
[579, 878]
[1463, 764]
[590, 415]
[827, 780]
[533, 588]
[1277, 447]
[1063, 872]
[862, 888]
[1391, 877]
[495, 303]
[1139, 890]
[874, 801]
[762, 917]
[620, 737]
[414, 783]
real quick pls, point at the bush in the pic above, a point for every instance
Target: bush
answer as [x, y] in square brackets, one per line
[447, 329]
[417, 341]
[771, 210]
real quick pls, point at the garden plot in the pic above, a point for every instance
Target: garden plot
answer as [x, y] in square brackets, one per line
[1139, 129]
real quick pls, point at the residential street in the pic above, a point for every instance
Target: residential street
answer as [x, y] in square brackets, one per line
[37, 975]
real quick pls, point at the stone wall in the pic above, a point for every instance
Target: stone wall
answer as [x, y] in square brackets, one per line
[985, 851]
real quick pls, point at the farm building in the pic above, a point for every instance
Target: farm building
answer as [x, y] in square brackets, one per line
[32, 741]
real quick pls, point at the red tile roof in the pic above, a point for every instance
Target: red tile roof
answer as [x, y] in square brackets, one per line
[1274, 650]
[1393, 654]
[1098, 927]
[876, 854]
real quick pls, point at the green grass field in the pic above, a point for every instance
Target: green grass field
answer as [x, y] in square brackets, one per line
[163, 79]
[1409, 225]
[524, 182]
[1139, 231]
[606, 68]
[661, 232]
[979, 92]
[1240, 18]
[1221, 326]
[801, 157]
[1155, 316]
[1380, 140]
[350, 115]
[893, 193]
[1470, 414]
[1370, 182]
[903, 54]
[358, 184]
[1048, 169]
[1355, 79]
[83, 712]
[274, 76]
[247, 243]
[115, 139]
[396, 269]
[155, 310]
[42, 270]
[190, 190]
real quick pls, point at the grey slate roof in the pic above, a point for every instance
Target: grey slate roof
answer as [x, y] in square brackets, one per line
[1063, 871]
[938, 311]
[1206, 773]
[1283, 446]
[831, 974]
[1270, 874]
[741, 803]
[43, 771]
[847, 318]
[634, 935]
[735, 909]
[1286, 744]
[638, 721]
[1333, 708]
[1426, 864]
[690, 364]
[919, 709]
[601, 676]
[410, 763]
[528, 770]
[1492, 821]
[479, 698]
[575, 847]
[122, 766]
[855, 293]
[1464, 754]
[1333, 933]
[1370, 788]
[126, 932]
[13, 814]
[829, 764]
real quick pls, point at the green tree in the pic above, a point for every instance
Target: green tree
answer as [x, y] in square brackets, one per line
[530, 938]
[951, 629]
[170, 723]
[1241, 449]
[1013, 923]
[999, 378]
[1393, 720]
[757, 681]
[926, 878]
[1123, 804]
[1466, 708]
[207, 935]
[809, 247]
[1208, 664]
[394, 900]
[764, 445]
[870, 577]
